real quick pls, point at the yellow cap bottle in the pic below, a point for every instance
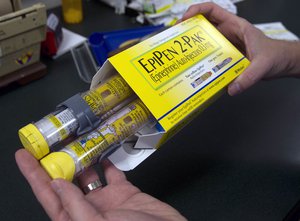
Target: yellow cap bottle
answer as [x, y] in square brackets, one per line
[77, 115]
[87, 149]
[33, 141]
[72, 11]
[59, 165]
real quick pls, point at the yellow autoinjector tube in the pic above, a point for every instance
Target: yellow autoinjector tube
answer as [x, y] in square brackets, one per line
[77, 115]
[87, 149]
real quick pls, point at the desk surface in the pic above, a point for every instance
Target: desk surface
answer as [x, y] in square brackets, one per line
[239, 160]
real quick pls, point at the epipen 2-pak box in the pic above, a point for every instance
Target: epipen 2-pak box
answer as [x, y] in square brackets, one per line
[176, 74]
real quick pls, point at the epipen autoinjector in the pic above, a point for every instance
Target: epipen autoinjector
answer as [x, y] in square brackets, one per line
[75, 116]
[89, 148]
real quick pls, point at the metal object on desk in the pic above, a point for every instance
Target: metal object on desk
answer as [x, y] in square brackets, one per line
[21, 33]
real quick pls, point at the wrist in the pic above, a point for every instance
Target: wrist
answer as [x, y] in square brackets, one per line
[290, 59]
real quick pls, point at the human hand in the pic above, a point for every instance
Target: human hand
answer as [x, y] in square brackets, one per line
[119, 200]
[269, 58]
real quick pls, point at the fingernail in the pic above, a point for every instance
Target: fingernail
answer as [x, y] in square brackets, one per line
[56, 186]
[234, 89]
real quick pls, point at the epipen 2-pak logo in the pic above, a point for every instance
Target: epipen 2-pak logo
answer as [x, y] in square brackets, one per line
[24, 59]
[171, 58]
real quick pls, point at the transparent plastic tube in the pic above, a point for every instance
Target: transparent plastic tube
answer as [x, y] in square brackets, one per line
[56, 127]
[86, 150]
[102, 101]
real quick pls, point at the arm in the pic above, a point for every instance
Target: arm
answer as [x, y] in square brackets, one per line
[269, 58]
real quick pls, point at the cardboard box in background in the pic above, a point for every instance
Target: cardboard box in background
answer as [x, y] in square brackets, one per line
[5, 7]
[21, 33]
[18, 42]
[8, 6]
[17, 4]
[49, 3]
[19, 59]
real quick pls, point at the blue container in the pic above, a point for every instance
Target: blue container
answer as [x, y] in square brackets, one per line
[101, 43]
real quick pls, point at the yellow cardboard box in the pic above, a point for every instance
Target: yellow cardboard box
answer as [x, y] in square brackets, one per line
[176, 74]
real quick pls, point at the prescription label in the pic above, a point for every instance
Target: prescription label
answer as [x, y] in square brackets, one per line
[108, 95]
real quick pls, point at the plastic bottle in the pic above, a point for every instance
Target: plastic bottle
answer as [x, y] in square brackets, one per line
[77, 115]
[72, 11]
[86, 150]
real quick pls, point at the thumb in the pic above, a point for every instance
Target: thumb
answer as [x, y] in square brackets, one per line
[258, 68]
[73, 201]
